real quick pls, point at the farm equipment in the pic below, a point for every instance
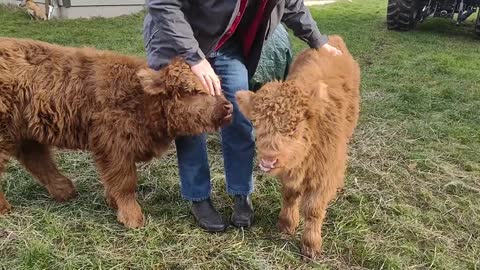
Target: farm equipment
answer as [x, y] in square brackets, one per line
[403, 15]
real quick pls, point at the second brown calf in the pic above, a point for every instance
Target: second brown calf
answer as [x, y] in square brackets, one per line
[303, 126]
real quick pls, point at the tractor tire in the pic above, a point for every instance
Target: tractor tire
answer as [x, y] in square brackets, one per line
[402, 15]
[477, 24]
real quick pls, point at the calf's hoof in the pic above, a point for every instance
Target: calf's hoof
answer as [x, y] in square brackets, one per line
[310, 252]
[286, 226]
[62, 192]
[5, 207]
[131, 220]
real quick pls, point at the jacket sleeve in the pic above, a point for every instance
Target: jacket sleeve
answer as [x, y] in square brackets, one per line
[298, 18]
[174, 30]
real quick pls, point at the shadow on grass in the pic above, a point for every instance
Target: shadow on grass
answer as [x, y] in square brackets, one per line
[448, 28]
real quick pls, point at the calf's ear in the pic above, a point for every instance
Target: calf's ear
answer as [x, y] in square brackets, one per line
[151, 81]
[245, 102]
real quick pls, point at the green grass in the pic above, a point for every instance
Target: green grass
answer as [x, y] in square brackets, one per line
[412, 197]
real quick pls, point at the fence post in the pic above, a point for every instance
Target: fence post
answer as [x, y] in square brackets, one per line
[47, 8]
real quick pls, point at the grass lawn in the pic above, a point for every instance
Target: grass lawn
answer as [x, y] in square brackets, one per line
[412, 197]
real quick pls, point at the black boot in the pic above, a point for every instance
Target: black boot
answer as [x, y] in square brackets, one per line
[243, 213]
[207, 216]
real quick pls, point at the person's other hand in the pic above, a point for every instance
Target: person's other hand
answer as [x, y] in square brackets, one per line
[207, 76]
[332, 50]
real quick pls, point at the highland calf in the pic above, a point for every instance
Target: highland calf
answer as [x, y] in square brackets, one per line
[109, 104]
[303, 126]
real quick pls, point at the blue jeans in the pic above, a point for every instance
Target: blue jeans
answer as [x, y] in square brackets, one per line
[238, 144]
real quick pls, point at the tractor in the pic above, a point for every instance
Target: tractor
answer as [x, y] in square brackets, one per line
[403, 15]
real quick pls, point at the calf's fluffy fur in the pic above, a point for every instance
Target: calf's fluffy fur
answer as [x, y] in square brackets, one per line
[302, 127]
[109, 104]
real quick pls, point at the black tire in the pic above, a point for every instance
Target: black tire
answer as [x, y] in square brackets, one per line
[477, 24]
[402, 14]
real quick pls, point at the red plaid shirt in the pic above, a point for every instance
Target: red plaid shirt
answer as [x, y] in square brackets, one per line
[236, 22]
[249, 34]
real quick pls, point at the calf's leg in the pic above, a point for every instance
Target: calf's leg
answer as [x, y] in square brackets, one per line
[289, 214]
[119, 177]
[38, 160]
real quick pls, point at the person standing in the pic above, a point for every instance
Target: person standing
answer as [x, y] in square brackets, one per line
[222, 41]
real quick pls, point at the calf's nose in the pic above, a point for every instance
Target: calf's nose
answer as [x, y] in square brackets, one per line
[269, 162]
[228, 108]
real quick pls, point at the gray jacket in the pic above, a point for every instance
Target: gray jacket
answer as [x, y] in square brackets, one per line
[191, 28]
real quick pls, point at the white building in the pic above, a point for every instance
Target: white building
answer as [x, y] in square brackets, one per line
[70, 9]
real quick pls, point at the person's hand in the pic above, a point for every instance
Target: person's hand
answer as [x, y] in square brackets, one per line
[332, 50]
[207, 76]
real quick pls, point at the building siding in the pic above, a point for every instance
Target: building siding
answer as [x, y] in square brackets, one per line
[71, 9]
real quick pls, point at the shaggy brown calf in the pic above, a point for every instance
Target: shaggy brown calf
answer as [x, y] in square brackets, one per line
[106, 103]
[302, 127]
